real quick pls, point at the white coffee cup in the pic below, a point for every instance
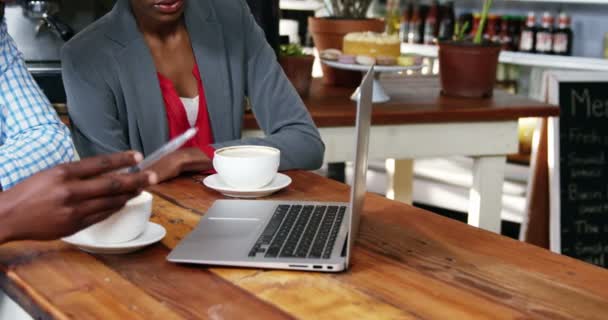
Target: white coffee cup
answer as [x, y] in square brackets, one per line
[247, 167]
[125, 225]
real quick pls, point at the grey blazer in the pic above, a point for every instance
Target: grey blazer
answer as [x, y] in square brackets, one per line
[114, 97]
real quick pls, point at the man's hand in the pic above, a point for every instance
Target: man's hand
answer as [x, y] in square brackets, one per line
[70, 197]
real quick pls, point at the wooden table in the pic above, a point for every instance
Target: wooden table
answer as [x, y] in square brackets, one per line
[408, 264]
[419, 123]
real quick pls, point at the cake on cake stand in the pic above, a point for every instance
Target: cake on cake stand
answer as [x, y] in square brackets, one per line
[379, 93]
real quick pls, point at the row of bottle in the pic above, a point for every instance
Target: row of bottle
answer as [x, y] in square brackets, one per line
[505, 29]
[421, 23]
[428, 24]
[546, 38]
[518, 33]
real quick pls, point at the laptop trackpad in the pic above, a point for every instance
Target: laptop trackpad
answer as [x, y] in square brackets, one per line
[226, 233]
[241, 210]
[224, 240]
[230, 228]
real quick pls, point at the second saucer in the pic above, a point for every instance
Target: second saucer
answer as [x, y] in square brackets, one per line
[214, 182]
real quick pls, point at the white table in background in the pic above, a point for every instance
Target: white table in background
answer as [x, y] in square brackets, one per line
[420, 123]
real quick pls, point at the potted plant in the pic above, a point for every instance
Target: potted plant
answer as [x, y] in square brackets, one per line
[328, 32]
[468, 67]
[297, 66]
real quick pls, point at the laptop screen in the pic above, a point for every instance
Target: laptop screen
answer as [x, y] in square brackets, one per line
[357, 196]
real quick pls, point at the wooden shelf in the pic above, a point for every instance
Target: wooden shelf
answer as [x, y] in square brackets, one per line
[524, 59]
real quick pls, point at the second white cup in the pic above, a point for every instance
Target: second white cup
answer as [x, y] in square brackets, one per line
[247, 167]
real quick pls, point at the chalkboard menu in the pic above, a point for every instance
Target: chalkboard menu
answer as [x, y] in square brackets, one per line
[583, 170]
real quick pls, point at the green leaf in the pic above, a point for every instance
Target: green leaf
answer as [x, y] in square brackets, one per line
[482, 23]
[291, 50]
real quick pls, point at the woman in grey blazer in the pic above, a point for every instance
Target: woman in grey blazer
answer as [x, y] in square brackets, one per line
[111, 74]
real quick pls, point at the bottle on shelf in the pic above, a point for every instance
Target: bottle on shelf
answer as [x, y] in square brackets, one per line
[497, 29]
[430, 25]
[465, 21]
[544, 35]
[413, 35]
[505, 37]
[516, 24]
[406, 18]
[476, 22]
[448, 21]
[562, 36]
[527, 41]
[392, 18]
[492, 31]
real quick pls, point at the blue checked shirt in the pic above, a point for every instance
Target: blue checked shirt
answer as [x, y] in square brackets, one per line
[32, 138]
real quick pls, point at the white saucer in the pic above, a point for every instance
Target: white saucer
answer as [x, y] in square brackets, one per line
[214, 182]
[154, 233]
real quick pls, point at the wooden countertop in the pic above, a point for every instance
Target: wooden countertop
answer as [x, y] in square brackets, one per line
[415, 100]
[408, 263]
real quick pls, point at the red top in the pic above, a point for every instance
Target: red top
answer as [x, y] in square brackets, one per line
[178, 120]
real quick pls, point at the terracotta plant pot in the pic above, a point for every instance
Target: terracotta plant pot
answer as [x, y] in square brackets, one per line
[467, 69]
[328, 33]
[299, 72]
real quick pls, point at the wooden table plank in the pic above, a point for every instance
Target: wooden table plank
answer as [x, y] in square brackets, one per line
[141, 285]
[415, 100]
[417, 228]
[62, 282]
[481, 285]
[192, 292]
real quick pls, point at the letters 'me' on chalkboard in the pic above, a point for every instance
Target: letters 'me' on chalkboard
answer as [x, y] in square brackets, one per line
[579, 210]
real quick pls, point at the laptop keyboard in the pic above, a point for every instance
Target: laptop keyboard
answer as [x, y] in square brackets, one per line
[300, 231]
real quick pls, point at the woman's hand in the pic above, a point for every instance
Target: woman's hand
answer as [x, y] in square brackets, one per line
[184, 160]
[70, 197]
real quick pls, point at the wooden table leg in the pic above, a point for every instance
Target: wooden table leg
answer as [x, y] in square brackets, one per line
[401, 180]
[485, 200]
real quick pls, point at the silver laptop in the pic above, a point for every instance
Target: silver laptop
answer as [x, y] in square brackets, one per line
[313, 236]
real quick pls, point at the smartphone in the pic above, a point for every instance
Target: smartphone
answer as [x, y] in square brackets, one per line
[163, 151]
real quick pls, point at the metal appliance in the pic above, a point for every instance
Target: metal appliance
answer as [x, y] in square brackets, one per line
[46, 12]
[40, 28]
